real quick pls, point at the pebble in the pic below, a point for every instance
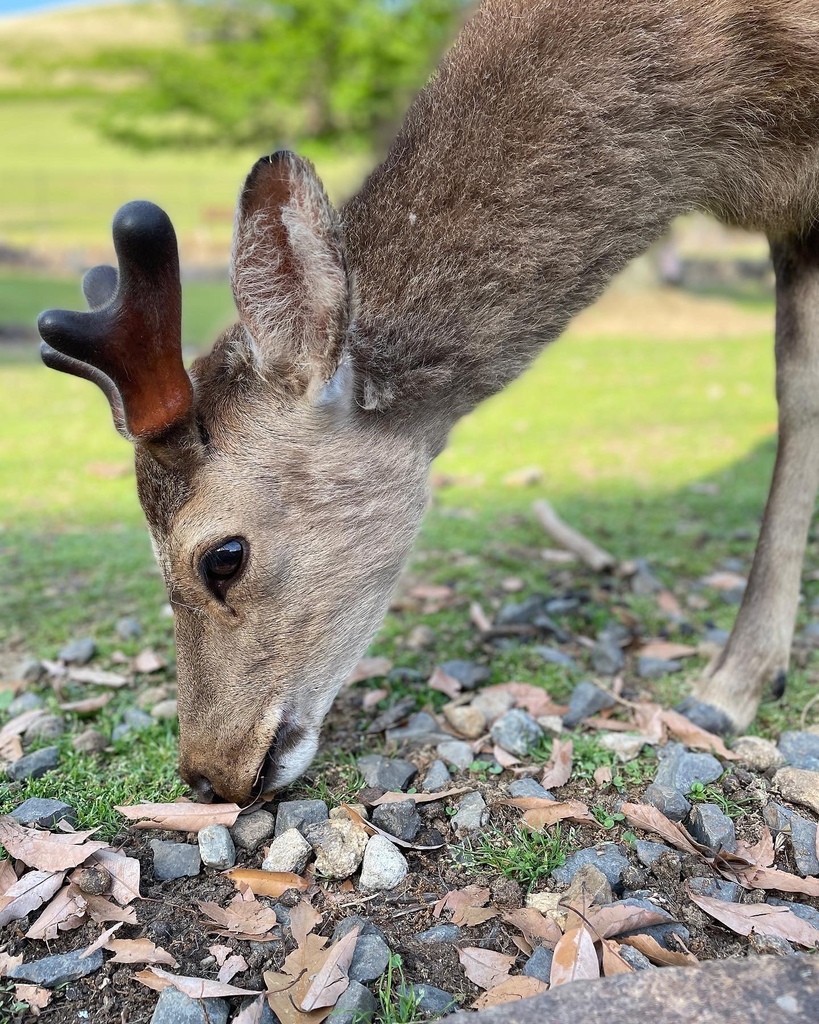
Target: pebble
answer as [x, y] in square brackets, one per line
[30, 670]
[165, 710]
[552, 725]
[420, 636]
[455, 752]
[174, 1007]
[528, 787]
[605, 856]
[289, 851]
[517, 732]
[706, 716]
[668, 800]
[589, 886]
[716, 888]
[355, 1005]
[400, 819]
[134, 720]
[421, 728]
[128, 628]
[607, 658]
[586, 700]
[49, 727]
[757, 753]
[346, 925]
[471, 815]
[339, 845]
[552, 656]
[799, 786]
[522, 613]
[547, 903]
[680, 769]
[493, 703]
[385, 774]
[644, 582]
[251, 830]
[562, 605]
[436, 778]
[539, 964]
[34, 765]
[718, 637]
[152, 695]
[626, 746]
[175, 860]
[775, 944]
[43, 812]
[802, 835]
[634, 958]
[656, 668]
[800, 749]
[434, 1002]
[370, 959]
[709, 825]
[89, 741]
[467, 721]
[25, 702]
[78, 652]
[384, 866]
[216, 847]
[53, 971]
[647, 852]
[439, 933]
[468, 673]
[299, 814]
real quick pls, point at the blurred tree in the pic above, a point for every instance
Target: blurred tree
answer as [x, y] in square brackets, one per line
[273, 72]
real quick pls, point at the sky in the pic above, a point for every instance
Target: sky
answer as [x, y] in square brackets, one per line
[13, 7]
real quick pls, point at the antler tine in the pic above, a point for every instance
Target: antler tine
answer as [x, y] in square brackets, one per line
[129, 343]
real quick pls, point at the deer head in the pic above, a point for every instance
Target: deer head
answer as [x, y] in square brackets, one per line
[281, 510]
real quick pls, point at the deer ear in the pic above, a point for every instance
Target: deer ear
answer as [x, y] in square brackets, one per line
[287, 270]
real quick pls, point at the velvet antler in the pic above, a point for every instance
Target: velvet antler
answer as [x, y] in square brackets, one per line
[129, 343]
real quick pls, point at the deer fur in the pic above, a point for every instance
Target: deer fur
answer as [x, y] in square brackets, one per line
[557, 140]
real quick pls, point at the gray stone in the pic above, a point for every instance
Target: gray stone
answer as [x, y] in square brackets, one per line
[528, 787]
[216, 847]
[289, 851]
[174, 1007]
[299, 814]
[522, 613]
[758, 753]
[455, 752]
[78, 652]
[648, 852]
[355, 1005]
[666, 934]
[770, 944]
[718, 637]
[128, 628]
[384, 866]
[799, 786]
[586, 700]
[562, 605]
[468, 673]
[90, 741]
[800, 749]
[713, 828]
[644, 582]
[370, 959]
[615, 632]
[384, 773]
[49, 727]
[656, 668]
[552, 656]
[517, 732]
[802, 835]
[346, 925]
[400, 819]
[434, 1002]
[25, 702]
[706, 716]
[471, 815]
[53, 971]
[607, 658]
[634, 958]
[34, 765]
[605, 856]
[251, 830]
[668, 800]
[421, 728]
[134, 720]
[165, 710]
[643, 903]
[436, 778]
[625, 745]
[802, 910]
[339, 845]
[439, 933]
[680, 769]
[43, 812]
[175, 860]
[716, 888]
[539, 964]
[30, 670]
[493, 703]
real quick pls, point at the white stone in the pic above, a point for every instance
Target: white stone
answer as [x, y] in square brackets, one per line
[288, 852]
[384, 865]
[625, 745]
[493, 703]
[758, 753]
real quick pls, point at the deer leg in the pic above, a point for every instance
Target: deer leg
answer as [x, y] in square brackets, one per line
[758, 650]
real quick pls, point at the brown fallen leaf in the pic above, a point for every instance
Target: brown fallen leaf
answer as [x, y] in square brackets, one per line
[11, 750]
[368, 668]
[234, 965]
[615, 918]
[282, 993]
[148, 661]
[649, 819]
[503, 757]
[303, 919]
[554, 811]
[372, 697]
[484, 967]
[102, 910]
[63, 914]
[613, 962]
[724, 580]
[575, 958]
[432, 592]
[479, 617]
[784, 881]
[523, 944]
[184, 816]
[536, 928]
[242, 919]
[694, 737]
[657, 954]
[375, 830]
[533, 699]
[443, 683]
[8, 876]
[761, 918]
[96, 677]
[253, 1013]
[468, 906]
[141, 951]
[665, 650]
[17, 726]
[8, 963]
[29, 893]
[418, 798]
[509, 991]
[194, 988]
[123, 873]
[267, 883]
[558, 769]
[330, 980]
[669, 604]
[87, 706]
[35, 996]
[101, 940]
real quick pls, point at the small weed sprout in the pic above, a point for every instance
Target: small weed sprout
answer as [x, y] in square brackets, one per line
[526, 856]
[397, 1002]
[702, 794]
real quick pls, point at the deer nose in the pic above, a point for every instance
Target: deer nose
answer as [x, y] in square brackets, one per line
[204, 790]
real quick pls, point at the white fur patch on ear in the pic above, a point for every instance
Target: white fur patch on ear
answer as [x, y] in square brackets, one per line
[338, 391]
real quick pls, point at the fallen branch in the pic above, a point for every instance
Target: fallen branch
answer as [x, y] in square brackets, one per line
[571, 540]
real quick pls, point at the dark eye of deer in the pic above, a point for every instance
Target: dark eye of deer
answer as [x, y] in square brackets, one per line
[222, 564]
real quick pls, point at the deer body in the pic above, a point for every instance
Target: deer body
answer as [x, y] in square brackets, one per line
[556, 142]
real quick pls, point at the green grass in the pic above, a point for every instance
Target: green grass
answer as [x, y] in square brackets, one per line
[524, 855]
[397, 1003]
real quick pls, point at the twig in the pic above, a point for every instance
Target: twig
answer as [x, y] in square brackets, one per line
[567, 537]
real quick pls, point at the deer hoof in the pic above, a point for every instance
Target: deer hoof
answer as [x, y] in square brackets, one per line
[706, 716]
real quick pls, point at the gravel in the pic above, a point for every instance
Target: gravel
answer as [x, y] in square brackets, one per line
[552, 656]
[758, 753]
[455, 752]
[656, 668]
[289, 851]
[251, 830]
[299, 814]
[57, 970]
[339, 845]
[607, 658]
[517, 732]
[400, 819]
[668, 800]
[49, 727]
[586, 700]
[800, 749]
[175, 860]
[716, 888]
[384, 866]
[605, 856]
[539, 964]
[799, 786]
[468, 673]
[370, 959]
[128, 628]
[493, 703]
[216, 847]
[133, 721]
[436, 778]
[802, 834]
[383, 773]
[709, 825]
[528, 787]
[25, 702]
[174, 1007]
[467, 721]
[680, 769]
[356, 1005]
[439, 933]
[648, 852]
[44, 812]
[78, 652]
[472, 814]
[435, 1002]
[33, 766]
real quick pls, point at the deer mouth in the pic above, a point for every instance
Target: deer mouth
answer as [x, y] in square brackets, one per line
[289, 754]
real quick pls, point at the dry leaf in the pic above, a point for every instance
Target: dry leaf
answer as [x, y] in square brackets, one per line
[575, 958]
[724, 580]
[368, 668]
[63, 914]
[533, 699]
[484, 967]
[503, 757]
[613, 962]
[148, 661]
[468, 906]
[479, 617]
[282, 990]
[523, 944]
[552, 811]
[101, 940]
[141, 951]
[124, 874]
[509, 991]
[694, 737]
[602, 776]
[231, 967]
[183, 816]
[558, 769]
[657, 954]
[253, 1013]
[432, 592]
[669, 604]
[331, 978]
[85, 707]
[96, 677]
[372, 697]
[8, 876]
[649, 819]
[11, 750]
[744, 918]
[267, 883]
[537, 929]
[242, 919]
[102, 910]
[194, 988]
[666, 651]
[616, 918]
[8, 963]
[443, 683]
[375, 830]
[773, 878]
[17, 726]
[28, 893]
[35, 996]
[418, 798]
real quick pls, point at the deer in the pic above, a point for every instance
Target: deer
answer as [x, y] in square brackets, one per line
[284, 475]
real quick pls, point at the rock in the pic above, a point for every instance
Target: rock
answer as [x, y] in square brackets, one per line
[420, 637]
[715, 888]
[706, 716]
[668, 800]
[605, 856]
[589, 886]
[471, 815]
[43, 812]
[216, 847]
[539, 964]
[421, 729]
[174, 1007]
[434, 1002]
[251, 830]
[493, 703]
[656, 668]
[522, 613]
[401, 819]
[547, 903]
[468, 673]
[766, 944]
[607, 658]
[165, 710]
[34, 765]
[382, 773]
[634, 958]
[648, 852]
[25, 702]
[455, 752]
[680, 769]
[384, 866]
[562, 605]
[436, 778]
[29, 670]
[78, 652]
[439, 933]
[517, 732]
[133, 720]
[528, 787]
[800, 749]
[626, 746]
[355, 1005]
[467, 721]
[341, 812]
[586, 700]
[802, 835]
[552, 725]
[152, 695]
[757, 753]
[346, 925]
[718, 637]
[799, 786]
[299, 814]
[711, 827]
[370, 959]
[552, 656]
[49, 727]
[89, 741]
[128, 628]
[809, 914]
[666, 934]
[338, 845]
[289, 851]
[53, 971]
[175, 860]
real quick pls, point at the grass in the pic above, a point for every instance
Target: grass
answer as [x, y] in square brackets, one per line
[702, 794]
[397, 1002]
[524, 855]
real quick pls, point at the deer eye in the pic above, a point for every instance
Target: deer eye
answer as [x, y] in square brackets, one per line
[222, 564]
